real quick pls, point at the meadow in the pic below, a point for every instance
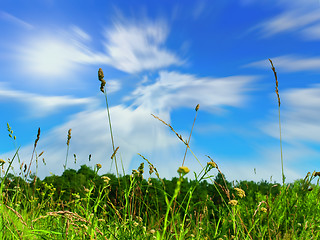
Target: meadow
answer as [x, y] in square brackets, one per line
[83, 204]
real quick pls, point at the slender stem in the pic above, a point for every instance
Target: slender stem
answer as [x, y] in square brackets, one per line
[115, 159]
[65, 164]
[283, 177]
[185, 153]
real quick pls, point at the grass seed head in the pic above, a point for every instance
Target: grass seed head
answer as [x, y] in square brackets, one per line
[140, 168]
[277, 83]
[151, 170]
[69, 136]
[100, 74]
[103, 82]
[38, 137]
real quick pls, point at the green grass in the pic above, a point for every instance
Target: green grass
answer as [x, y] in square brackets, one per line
[85, 205]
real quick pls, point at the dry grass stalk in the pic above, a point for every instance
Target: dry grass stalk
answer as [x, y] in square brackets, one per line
[179, 136]
[71, 216]
[11, 222]
[18, 215]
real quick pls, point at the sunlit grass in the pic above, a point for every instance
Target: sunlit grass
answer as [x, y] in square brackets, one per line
[85, 205]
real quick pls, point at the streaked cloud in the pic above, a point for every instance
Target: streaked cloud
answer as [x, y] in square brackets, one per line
[137, 47]
[289, 63]
[295, 16]
[300, 116]
[312, 32]
[10, 18]
[40, 105]
[173, 90]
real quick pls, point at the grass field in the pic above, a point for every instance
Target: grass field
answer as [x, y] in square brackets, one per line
[35, 209]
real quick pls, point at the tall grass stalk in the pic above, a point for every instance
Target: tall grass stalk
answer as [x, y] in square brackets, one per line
[278, 96]
[103, 83]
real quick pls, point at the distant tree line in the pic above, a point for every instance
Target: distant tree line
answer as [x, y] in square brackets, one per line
[144, 195]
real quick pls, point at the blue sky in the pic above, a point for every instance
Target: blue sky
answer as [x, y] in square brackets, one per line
[164, 58]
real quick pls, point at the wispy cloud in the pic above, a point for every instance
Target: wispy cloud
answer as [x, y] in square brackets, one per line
[173, 90]
[135, 131]
[289, 63]
[296, 16]
[80, 33]
[199, 9]
[10, 18]
[41, 106]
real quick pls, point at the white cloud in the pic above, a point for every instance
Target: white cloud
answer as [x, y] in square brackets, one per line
[44, 55]
[130, 48]
[10, 18]
[289, 63]
[41, 106]
[173, 90]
